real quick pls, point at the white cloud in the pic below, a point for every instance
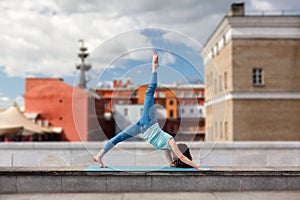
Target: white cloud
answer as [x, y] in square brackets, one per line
[261, 5]
[4, 99]
[167, 59]
[114, 51]
[41, 36]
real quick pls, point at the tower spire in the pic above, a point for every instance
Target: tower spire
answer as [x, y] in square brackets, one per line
[82, 67]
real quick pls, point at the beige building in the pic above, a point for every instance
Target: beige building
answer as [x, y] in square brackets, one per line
[252, 71]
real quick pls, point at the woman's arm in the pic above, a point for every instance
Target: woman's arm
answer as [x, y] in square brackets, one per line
[181, 157]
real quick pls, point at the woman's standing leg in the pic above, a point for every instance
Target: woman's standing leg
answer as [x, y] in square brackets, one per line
[127, 133]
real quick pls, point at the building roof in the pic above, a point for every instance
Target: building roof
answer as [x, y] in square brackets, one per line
[12, 119]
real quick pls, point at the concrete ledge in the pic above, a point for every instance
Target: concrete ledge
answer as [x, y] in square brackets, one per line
[75, 179]
[142, 153]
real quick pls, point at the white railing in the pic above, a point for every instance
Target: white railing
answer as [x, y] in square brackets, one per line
[272, 12]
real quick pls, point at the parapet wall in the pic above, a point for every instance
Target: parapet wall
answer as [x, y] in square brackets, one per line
[143, 154]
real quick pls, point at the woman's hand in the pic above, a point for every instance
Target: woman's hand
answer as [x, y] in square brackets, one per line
[203, 169]
[173, 164]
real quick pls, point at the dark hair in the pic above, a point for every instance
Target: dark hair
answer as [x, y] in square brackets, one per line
[186, 152]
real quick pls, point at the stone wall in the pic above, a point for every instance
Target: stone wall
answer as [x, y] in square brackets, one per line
[266, 119]
[143, 154]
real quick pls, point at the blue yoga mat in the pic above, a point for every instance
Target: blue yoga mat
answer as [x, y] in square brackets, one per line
[143, 169]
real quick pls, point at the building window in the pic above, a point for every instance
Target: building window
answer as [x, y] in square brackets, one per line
[188, 94]
[134, 94]
[225, 80]
[171, 113]
[215, 86]
[221, 130]
[142, 111]
[192, 111]
[171, 102]
[258, 77]
[182, 110]
[179, 94]
[224, 40]
[200, 111]
[220, 84]
[217, 48]
[60, 101]
[126, 111]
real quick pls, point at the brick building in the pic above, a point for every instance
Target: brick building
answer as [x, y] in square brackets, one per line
[252, 71]
[61, 105]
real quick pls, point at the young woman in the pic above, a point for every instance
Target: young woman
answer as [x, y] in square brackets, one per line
[149, 128]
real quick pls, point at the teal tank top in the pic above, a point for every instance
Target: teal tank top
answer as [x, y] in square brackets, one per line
[157, 137]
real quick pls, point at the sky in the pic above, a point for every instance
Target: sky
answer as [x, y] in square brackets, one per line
[40, 39]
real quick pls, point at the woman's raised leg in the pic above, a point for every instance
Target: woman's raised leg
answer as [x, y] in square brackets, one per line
[148, 111]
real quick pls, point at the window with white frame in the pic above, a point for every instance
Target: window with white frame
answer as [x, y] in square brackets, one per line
[258, 77]
[200, 111]
[179, 94]
[191, 110]
[188, 94]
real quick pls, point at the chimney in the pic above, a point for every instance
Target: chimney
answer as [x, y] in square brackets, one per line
[120, 84]
[128, 82]
[114, 83]
[237, 9]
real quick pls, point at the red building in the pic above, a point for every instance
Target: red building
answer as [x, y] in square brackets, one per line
[62, 105]
[53, 100]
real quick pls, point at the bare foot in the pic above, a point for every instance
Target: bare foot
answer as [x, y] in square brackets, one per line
[99, 161]
[154, 57]
[155, 64]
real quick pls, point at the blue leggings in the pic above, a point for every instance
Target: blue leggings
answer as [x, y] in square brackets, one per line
[148, 118]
